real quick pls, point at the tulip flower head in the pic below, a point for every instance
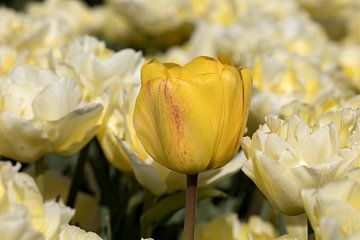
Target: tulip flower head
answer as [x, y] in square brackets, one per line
[191, 118]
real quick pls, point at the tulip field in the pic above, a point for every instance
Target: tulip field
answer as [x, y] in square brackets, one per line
[180, 119]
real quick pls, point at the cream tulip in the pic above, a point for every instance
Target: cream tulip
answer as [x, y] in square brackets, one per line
[76, 233]
[285, 157]
[10, 22]
[280, 78]
[42, 113]
[74, 14]
[9, 57]
[328, 103]
[24, 215]
[349, 61]
[154, 18]
[334, 209]
[229, 227]
[100, 69]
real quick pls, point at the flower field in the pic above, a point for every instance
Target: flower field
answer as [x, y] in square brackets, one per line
[180, 119]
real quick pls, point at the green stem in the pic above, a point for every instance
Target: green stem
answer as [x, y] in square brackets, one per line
[146, 229]
[105, 226]
[39, 175]
[78, 176]
[190, 206]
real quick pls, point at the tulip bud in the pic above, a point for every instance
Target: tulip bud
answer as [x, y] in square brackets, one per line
[191, 118]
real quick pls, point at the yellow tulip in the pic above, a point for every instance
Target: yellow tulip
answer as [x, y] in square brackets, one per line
[191, 118]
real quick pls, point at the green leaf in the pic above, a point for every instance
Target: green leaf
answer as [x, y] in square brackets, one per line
[167, 206]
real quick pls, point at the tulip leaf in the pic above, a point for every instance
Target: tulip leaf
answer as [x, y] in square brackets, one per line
[167, 206]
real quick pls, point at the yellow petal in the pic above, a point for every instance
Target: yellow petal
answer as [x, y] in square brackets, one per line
[183, 134]
[153, 69]
[200, 66]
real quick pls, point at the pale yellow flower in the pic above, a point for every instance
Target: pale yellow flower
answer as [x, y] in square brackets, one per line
[223, 227]
[37, 37]
[349, 61]
[76, 233]
[99, 68]
[334, 209]
[33, 37]
[287, 156]
[74, 14]
[218, 12]
[155, 17]
[329, 102]
[42, 113]
[23, 214]
[256, 229]
[276, 25]
[281, 78]
[229, 227]
[277, 9]
[9, 57]
[10, 23]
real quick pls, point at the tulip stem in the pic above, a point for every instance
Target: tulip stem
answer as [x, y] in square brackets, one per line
[78, 176]
[39, 175]
[190, 206]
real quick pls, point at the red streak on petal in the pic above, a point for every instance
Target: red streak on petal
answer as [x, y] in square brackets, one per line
[176, 121]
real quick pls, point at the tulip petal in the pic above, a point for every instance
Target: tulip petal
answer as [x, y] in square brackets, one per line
[235, 101]
[70, 133]
[56, 100]
[21, 139]
[272, 178]
[14, 225]
[215, 175]
[196, 114]
[113, 151]
[148, 176]
[200, 66]
[153, 69]
[179, 129]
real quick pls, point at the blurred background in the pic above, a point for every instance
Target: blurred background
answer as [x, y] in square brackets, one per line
[302, 51]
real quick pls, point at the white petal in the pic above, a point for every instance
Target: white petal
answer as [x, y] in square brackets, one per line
[76, 233]
[74, 130]
[278, 184]
[57, 216]
[57, 99]
[213, 176]
[21, 139]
